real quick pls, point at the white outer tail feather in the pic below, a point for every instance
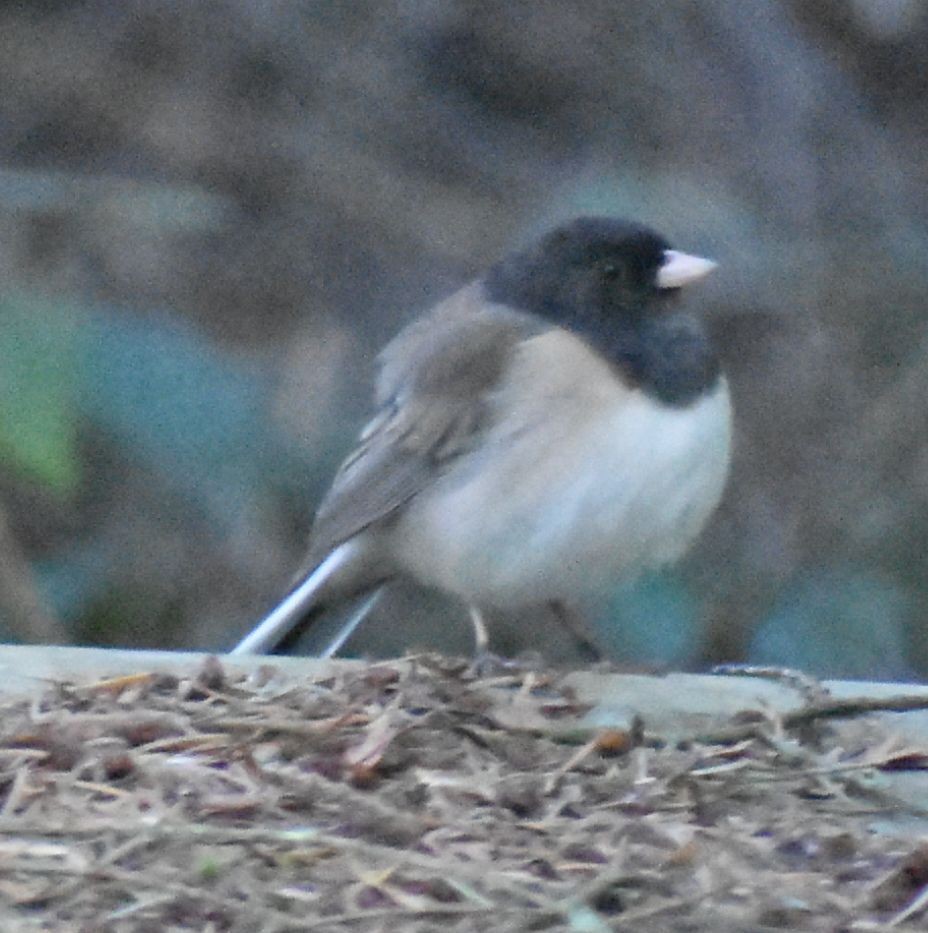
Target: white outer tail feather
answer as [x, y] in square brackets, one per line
[278, 623]
[347, 630]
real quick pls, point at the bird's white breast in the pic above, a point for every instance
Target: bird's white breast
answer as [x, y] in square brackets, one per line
[581, 482]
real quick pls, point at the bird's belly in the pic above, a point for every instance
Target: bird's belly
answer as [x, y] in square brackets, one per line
[568, 509]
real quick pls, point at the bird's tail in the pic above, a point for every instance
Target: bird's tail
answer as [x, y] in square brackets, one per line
[297, 610]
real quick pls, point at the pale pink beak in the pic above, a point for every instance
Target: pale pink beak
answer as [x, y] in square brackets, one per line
[680, 269]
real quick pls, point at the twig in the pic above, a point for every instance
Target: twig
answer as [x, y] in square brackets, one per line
[135, 880]
[833, 709]
[404, 913]
[811, 688]
[298, 727]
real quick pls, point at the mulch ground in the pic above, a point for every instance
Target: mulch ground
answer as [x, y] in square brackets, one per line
[415, 796]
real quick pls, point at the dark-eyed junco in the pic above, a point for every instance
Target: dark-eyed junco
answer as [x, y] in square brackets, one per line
[550, 430]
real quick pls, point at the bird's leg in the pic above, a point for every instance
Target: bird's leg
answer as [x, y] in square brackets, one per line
[487, 663]
[481, 633]
[584, 637]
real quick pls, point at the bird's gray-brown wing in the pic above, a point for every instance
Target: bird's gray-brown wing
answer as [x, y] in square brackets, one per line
[432, 394]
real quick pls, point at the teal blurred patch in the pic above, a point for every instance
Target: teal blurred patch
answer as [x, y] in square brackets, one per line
[193, 414]
[71, 579]
[654, 621]
[838, 622]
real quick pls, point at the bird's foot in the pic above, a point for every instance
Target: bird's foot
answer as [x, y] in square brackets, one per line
[488, 664]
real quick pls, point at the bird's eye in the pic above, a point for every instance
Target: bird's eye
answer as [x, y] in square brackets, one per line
[612, 272]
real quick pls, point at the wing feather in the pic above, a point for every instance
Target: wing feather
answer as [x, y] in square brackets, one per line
[435, 380]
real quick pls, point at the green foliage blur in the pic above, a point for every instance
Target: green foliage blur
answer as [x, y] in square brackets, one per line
[38, 417]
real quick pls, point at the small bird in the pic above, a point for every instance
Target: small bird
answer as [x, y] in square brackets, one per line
[555, 428]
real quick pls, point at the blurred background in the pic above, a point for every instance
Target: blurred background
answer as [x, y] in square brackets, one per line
[213, 214]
